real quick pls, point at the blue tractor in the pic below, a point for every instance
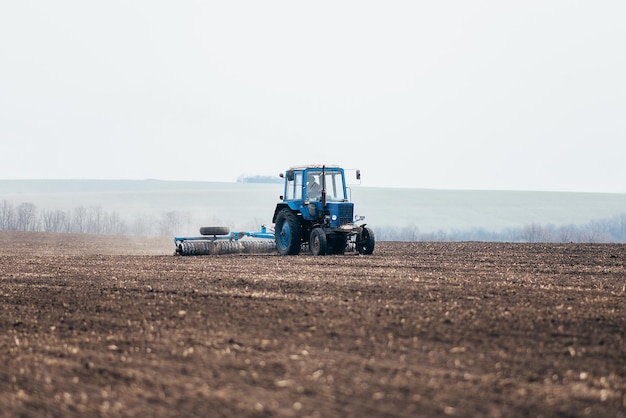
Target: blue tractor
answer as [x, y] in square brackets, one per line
[315, 210]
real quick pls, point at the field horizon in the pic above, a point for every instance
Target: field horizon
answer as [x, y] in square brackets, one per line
[248, 205]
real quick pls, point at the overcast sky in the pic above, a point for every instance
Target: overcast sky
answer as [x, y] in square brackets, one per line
[514, 95]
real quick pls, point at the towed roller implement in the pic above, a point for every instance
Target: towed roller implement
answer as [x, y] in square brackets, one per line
[219, 240]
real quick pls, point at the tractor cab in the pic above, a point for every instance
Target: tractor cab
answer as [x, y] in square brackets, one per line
[312, 191]
[308, 183]
[315, 210]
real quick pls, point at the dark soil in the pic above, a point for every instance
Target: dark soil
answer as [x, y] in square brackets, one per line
[111, 326]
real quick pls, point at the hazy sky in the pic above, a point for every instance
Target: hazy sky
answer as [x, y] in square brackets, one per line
[518, 95]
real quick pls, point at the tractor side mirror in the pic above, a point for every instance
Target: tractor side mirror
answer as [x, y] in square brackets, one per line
[281, 175]
[358, 174]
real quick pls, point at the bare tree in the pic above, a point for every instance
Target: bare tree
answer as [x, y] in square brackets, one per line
[56, 221]
[93, 220]
[619, 228]
[596, 232]
[79, 220]
[409, 233]
[144, 225]
[26, 217]
[384, 233]
[7, 216]
[113, 224]
[171, 223]
[533, 232]
[567, 233]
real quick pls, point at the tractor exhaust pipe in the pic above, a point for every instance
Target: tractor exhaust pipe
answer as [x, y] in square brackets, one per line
[323, 186]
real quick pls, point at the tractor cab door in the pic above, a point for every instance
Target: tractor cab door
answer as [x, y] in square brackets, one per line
[293, 185]
[314, 180]
[335, 186]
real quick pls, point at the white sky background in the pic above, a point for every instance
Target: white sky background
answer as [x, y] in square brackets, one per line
[427, 94]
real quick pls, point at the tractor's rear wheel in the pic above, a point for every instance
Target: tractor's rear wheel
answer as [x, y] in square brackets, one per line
[288, 233]
[365, 241]
[318, 244]
[214, 230]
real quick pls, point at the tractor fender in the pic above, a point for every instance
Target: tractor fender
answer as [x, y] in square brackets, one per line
[279, 207]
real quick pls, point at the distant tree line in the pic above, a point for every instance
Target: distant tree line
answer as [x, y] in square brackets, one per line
[88, 220]
[610, 230]
[95, 220]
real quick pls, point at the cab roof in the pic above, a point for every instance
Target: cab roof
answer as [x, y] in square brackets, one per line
[315, 166]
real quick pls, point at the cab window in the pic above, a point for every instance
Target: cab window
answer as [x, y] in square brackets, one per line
[293, 187]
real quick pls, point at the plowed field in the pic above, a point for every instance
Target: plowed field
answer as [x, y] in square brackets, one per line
[110, 326]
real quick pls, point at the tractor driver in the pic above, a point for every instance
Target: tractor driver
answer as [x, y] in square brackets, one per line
[313, 189]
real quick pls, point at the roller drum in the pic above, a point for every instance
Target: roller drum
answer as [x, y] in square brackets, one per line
[258, 247]
[189, 248]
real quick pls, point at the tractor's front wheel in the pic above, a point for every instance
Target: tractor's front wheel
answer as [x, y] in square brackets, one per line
[318, 244]
[365, 241]
[288, 233]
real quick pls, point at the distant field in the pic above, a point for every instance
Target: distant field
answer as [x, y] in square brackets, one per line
[244, 205]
